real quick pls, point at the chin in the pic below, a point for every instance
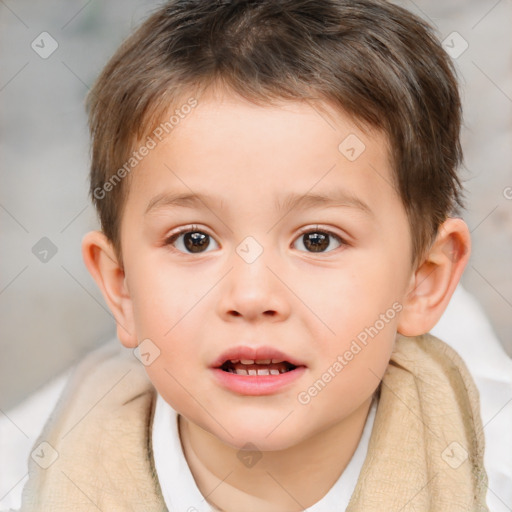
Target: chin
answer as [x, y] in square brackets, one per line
[264, 436]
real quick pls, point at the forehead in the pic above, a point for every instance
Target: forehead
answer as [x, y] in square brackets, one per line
[226, 145]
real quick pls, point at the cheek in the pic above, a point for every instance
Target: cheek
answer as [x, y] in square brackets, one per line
[163, 298]
[350, 369]
[171, 377]
[359, 312]
[347, 302]
[168, 307]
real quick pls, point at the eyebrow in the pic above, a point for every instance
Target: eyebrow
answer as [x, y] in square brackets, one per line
[333, 199]
[185, 200]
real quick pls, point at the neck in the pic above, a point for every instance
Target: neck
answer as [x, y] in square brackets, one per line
[291, 479]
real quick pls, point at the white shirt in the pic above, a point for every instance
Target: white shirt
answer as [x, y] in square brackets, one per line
[179, 488]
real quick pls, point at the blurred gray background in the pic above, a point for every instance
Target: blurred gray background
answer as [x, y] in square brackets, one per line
[51, 312]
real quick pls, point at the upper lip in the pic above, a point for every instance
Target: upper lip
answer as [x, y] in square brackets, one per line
[255, 354]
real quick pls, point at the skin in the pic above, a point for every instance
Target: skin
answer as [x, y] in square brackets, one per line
[311, 305]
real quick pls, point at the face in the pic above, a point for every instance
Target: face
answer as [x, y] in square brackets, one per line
[290, 245]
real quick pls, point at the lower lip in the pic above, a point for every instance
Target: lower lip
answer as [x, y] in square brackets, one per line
[257, 384]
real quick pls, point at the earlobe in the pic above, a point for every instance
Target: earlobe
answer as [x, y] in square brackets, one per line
[435, 279]
[101, 261]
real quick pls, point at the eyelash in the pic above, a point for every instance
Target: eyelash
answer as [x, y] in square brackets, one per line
[190, 229]
[318, 229]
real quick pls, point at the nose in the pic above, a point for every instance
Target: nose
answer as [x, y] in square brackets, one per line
[254, 292]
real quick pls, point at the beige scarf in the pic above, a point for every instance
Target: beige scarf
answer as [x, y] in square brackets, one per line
[425, 452]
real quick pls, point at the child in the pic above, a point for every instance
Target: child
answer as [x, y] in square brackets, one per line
[277, 189]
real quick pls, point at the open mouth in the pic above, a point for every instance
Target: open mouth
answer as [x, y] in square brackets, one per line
[257, 367]
[256, 371]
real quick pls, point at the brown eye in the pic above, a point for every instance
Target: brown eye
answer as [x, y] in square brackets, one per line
[190, 241]
[319, 241]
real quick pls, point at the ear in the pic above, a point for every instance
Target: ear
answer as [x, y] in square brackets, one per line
[435, 279]
[101, 261]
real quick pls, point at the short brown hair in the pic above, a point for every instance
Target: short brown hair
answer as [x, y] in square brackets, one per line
[374, 60]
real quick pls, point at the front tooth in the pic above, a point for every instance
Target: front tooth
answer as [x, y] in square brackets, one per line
[262, 361]
[247, 361]
[252, 372]
[277, 360]
[241, 371]
[274, 372]
[234, 361]
[263, 371]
